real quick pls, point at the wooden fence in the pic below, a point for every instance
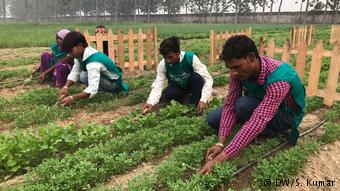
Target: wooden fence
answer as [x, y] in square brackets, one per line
[118, 42]
[217, 41]
[329, 93]
[335, 34]
[302, 33]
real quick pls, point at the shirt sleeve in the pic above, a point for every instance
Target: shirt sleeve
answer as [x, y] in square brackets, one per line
[201, 69]
[158, 85]
[264, 112]
[228, 118]
[74, 74]
[93, 72]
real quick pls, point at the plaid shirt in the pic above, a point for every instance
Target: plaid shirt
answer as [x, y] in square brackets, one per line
[275, 94]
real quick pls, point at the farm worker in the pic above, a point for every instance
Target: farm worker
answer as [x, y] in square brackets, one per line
[273, 100]
[100, 29]
[92, 68]
[188, 79]
[58, 64]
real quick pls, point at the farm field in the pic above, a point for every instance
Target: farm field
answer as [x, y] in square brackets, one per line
[104, 143]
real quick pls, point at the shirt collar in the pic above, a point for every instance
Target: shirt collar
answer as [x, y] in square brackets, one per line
[262, 75]
[88, 52]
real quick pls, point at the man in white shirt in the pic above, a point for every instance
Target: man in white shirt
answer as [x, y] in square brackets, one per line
[187, 77]
[92, 68]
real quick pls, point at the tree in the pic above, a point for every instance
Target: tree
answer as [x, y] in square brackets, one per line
[254, 4]
[263, 5]
[4, 9]
[271, 9]
[334, 6]
[200, 7]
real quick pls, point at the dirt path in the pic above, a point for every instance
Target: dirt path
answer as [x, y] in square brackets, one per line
[12, 92]
[98, 117]
[14, 53]
[124, 179]
[29, 66]
[320, 168]
[243, 180]
[220, 92]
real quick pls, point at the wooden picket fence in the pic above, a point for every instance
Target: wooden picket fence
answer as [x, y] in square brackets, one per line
[329, 93]
[302, 33]
[217, 41]
[118, 42]
[335, 34]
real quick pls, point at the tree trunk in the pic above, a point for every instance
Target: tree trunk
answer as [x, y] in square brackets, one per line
[324, 13]
[116, 11]
[279, 11]
[148, 12]
[236, 11]
[80, 10]
[36, 11]
[26, 12]
[135, 11]
[55, 11]
[211, 8]
[271, 11]
[96, 10]
[263, 9]
[4, 8]
[299, 16]
[306, 11]
[336, 11]
[186, 12]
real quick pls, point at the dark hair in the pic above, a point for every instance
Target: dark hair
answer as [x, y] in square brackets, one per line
[72, 39]
[170, 44]
[238, 46]
[100, 26]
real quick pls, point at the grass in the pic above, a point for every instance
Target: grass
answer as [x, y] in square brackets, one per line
[28, 36]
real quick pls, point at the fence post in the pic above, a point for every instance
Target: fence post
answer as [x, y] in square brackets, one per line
[87, 36]
[315, 68]
[212, 47]
[271, 48]
[140, 50]
[111, 46]
[333, 75]
[149, 49]
[99, 42]
[120, 38]
[261, 45]
[301, 59]
[155, 46]
[131, 51]
[220, 44]
[285, 57]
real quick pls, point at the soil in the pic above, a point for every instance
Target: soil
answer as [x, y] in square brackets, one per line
[29, 66]
[324, 166]
[220, 92]
[243, 181]
[12, 182]
[97, 117]
[14, 53]
[124, 179]
[11, 92]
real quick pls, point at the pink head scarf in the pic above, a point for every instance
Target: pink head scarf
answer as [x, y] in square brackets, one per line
[62, 33]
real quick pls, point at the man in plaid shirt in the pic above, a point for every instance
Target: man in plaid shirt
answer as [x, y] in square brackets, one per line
[273, 101]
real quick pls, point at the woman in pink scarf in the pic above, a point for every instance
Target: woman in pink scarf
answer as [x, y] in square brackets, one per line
[57, 65]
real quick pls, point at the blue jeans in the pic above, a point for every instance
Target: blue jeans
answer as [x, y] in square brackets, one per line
[244, 108]
[104, 84]
[192, 92]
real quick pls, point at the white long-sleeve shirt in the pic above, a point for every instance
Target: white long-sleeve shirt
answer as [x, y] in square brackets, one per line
[158, 84]
[94, 70]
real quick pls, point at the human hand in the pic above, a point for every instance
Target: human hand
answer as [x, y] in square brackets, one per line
[147, 108]
[201, 106]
